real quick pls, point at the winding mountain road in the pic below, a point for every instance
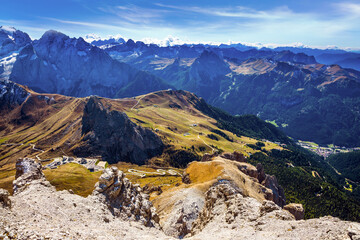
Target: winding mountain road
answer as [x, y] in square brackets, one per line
[138, 102]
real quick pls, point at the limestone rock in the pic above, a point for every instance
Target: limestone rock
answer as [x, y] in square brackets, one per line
[185, 211]
[278, 192]
[270, 182]
[124, 199]
[249, 170]
[295, 209]
[147, 189]
[40, 212]
[261, 172]
[27, 171]
[207, 157]
[4, 198]
[235, 156]
[186, 178]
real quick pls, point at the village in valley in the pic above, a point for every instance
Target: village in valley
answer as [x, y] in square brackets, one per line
[325, 151]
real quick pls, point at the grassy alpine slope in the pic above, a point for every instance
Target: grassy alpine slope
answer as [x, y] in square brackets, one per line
[189, 128]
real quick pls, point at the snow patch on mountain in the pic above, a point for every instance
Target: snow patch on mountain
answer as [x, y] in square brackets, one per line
[8, 29]
[6, 65]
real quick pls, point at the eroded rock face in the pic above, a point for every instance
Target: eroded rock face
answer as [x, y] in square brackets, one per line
[4, 198]
[225, 199]
[184, 212]
[295, 209]
[125, 199]
[235, 156]
[27, 171]
[278, 195]
[114, 136]
[269, 181]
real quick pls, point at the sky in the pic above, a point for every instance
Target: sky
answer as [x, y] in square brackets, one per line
[316, 23]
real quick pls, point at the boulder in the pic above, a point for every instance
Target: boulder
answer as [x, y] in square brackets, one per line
[295, 209]
[4, 198]
[248, 169]
[235, 156]
[186, 178]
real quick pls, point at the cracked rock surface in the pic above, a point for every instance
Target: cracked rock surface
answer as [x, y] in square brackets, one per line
[118, 209]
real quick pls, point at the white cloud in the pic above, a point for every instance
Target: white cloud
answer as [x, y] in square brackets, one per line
[235, 12]
[349, 9]
[135, 14]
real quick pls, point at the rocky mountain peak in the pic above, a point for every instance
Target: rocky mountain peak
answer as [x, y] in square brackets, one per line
[208, 54]
[108, 42]
[12, 40]
[52, 35]
[11, 93]
[130, 43]
[114, 136]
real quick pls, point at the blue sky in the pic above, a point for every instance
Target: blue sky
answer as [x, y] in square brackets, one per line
[310, 22]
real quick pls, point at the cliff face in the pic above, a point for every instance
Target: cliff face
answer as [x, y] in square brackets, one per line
[57, 63]
[115, 137]
[11, 93]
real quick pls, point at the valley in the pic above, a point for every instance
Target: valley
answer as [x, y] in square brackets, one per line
[325, 151]
[122, 139]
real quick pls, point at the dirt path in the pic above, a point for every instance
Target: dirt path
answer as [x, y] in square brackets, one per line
[138, 102]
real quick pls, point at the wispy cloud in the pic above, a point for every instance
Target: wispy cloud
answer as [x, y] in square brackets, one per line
[89, 24]
[234, 12]
[328, 24]
[135, 14]
[349, 9]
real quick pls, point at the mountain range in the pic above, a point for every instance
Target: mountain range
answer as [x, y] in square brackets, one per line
[306, 99]
[58, 64]
[125, 139]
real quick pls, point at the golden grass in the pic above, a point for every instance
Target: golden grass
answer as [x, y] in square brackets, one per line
[164, 181]
[201, 172]
[6, 178]
[58, 130]
[73, 176]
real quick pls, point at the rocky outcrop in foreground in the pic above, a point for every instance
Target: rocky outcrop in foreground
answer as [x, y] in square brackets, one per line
[113, 135]
[28, 171]
[125, 199]
[38, 211]
[116, 209]
[227, 214]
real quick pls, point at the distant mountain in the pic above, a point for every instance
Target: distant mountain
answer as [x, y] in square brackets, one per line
[308, 100]
[11, 41]
[57, 63]
[289, 88]
[328, 56]
[108, 42]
